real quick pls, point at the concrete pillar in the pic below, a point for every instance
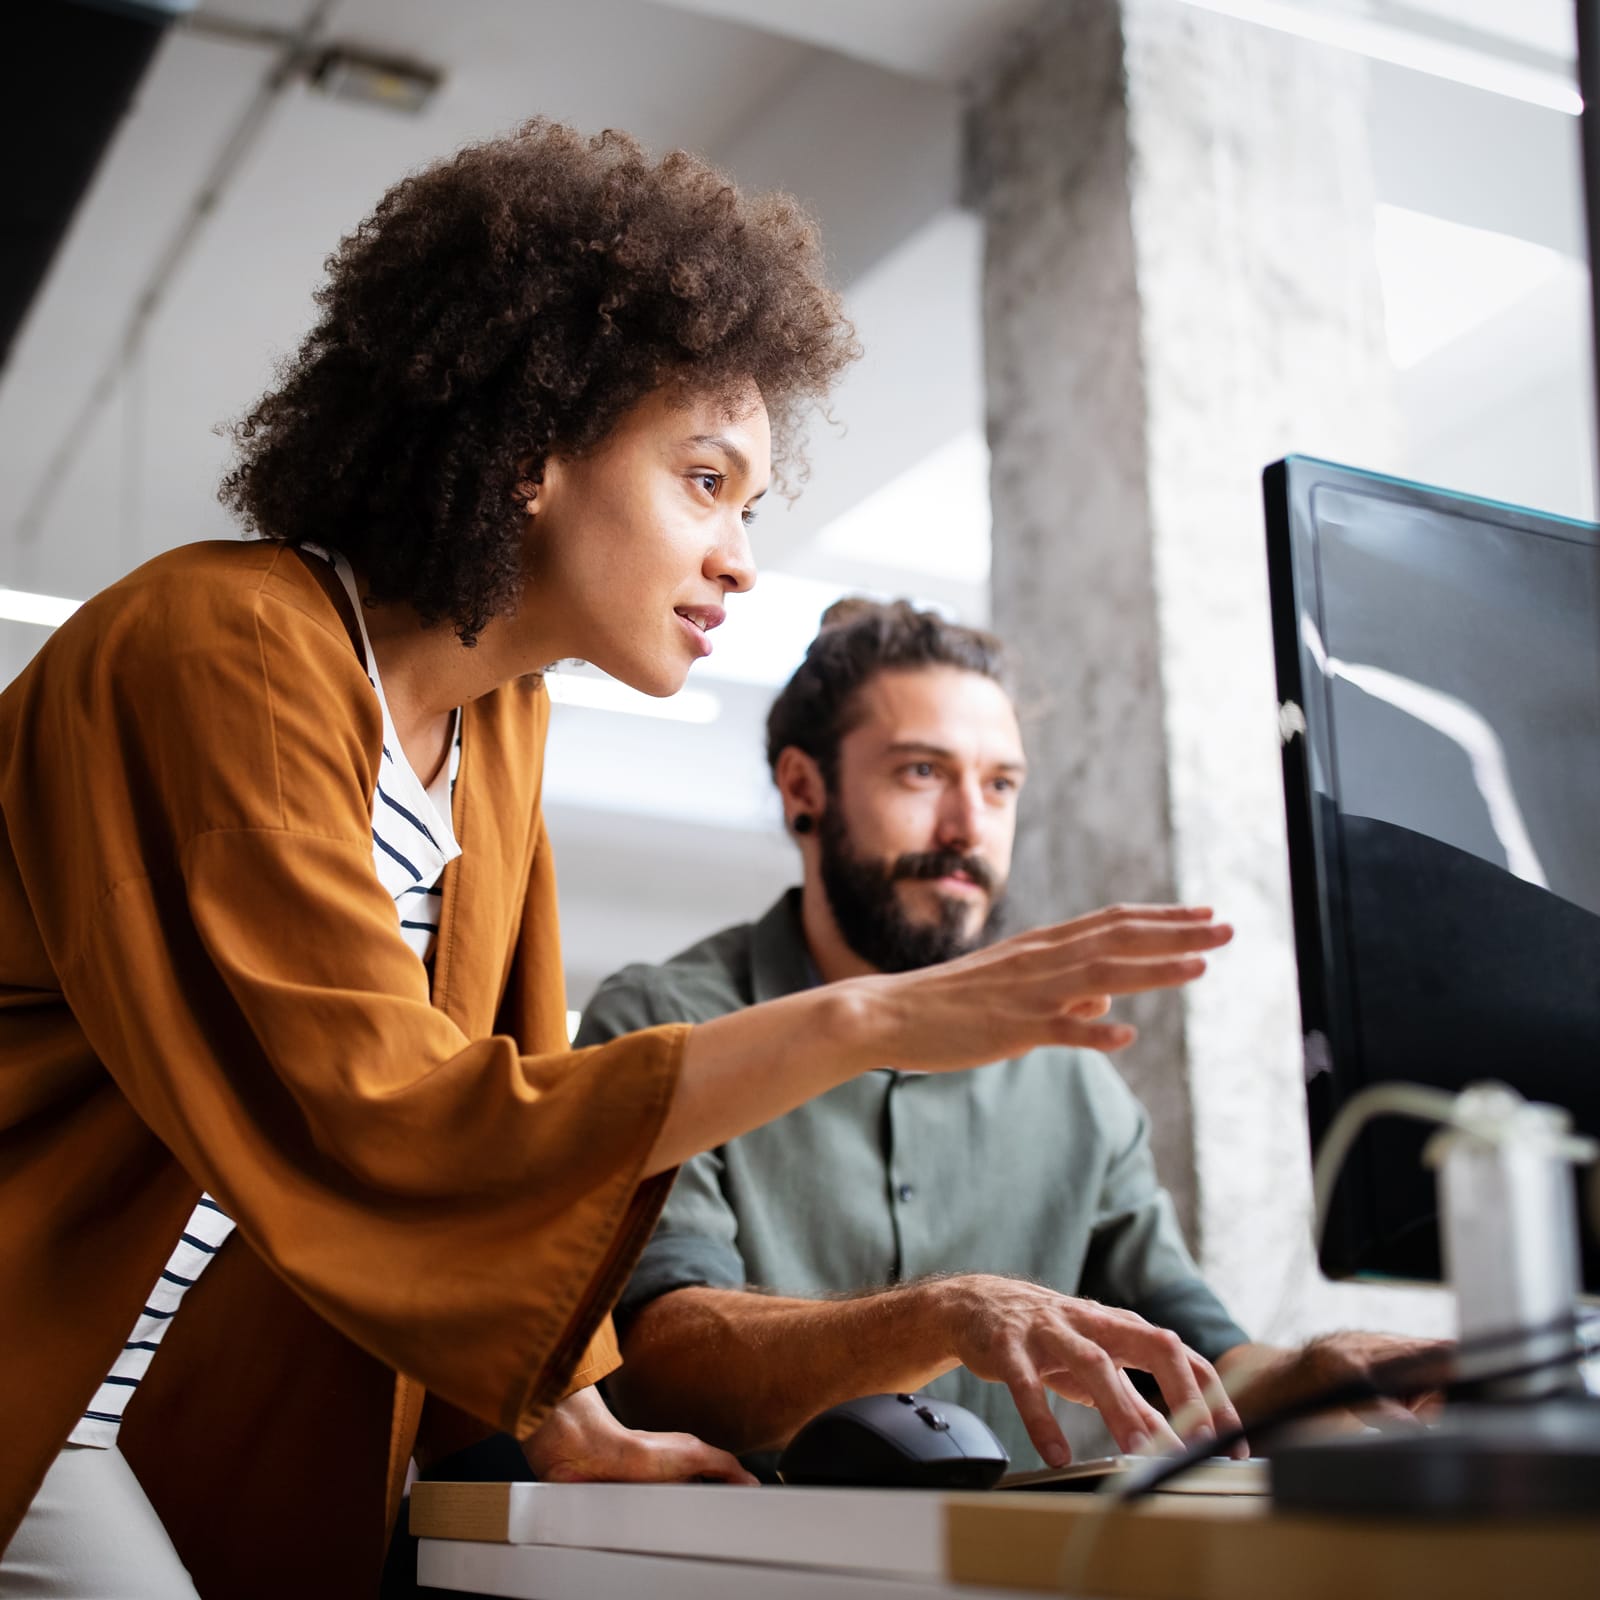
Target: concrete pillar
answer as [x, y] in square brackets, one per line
[1180, 286]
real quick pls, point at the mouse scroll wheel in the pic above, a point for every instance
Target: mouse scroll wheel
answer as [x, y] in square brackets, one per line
[933, 1419]
[906, 1399]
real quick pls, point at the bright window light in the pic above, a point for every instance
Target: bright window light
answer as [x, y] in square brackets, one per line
[933, 519]
[1441, 279]
[930, 522]
[1403, 47]
[573, 1019]
[43, 610]
[765, 636]
[606, 694]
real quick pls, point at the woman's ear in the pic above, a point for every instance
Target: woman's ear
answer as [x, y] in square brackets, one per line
[527, 491]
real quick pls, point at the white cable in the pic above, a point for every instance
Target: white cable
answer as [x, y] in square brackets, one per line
[1393, 1099]
[1488, 1112]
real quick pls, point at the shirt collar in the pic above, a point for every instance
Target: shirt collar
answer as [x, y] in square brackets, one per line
[780, 963]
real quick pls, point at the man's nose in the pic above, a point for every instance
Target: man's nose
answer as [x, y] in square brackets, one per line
[961, 817]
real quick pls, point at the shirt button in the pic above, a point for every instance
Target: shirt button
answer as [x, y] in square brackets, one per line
[905, 1191]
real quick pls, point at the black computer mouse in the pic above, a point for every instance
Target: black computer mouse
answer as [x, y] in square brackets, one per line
[895, 1441]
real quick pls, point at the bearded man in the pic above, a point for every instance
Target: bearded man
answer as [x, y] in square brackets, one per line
[989, 1237]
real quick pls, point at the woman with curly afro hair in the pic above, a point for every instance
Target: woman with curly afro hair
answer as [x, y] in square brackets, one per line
[300, 1179]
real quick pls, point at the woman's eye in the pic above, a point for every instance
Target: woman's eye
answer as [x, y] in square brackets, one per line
[711, 482]
[748, 515]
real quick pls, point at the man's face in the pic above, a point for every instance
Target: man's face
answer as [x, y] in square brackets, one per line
[915, 842]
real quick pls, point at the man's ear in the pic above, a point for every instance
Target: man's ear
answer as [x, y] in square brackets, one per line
[800, 787]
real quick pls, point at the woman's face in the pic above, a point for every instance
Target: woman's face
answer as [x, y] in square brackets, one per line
[635, 545]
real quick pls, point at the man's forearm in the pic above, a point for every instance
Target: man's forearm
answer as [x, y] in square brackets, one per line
[745, 1371]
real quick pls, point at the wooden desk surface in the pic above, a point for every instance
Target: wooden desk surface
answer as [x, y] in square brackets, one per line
[1166, 1548]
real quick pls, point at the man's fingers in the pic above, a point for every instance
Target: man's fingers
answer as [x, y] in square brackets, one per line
[1391, 1416]
[1033, 1406]
[1163, 1437]
[1173, 1365]
[1132, 1423]
[1225, 1416]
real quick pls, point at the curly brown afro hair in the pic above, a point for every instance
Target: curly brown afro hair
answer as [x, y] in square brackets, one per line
[505, 305]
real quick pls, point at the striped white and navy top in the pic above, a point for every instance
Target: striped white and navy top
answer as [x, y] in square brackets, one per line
[413, 840]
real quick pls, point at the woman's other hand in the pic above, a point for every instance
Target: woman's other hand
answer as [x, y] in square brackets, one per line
[581, 1442]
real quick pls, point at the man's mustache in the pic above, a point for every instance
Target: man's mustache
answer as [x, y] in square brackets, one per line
[946, 864]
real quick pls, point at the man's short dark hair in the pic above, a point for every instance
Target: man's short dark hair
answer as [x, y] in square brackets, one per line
[859, 639]
[506, 305]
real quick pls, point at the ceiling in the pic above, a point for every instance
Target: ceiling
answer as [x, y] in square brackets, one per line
[189, 268]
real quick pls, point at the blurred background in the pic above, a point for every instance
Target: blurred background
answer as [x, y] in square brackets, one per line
[1239, 227]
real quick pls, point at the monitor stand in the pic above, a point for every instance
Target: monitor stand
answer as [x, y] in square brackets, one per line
[1528, 1444]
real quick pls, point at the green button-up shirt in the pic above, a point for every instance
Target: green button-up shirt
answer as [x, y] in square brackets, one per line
[1038, 1167]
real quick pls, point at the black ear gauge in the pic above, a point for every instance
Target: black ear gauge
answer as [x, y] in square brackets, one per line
[803, 822]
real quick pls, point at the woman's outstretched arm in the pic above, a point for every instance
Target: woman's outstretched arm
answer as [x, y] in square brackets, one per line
[1044, 987]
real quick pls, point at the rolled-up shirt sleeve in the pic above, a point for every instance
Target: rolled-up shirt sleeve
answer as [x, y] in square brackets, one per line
[695, 1243]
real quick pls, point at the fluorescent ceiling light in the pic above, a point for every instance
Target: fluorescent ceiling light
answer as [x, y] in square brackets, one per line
[1442, 280]
[606, 694]
[1402, 47]
[44, 610]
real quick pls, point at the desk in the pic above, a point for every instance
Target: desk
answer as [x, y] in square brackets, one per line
[713, 1542]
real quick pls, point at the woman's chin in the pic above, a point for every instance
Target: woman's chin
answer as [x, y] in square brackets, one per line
[660, 682]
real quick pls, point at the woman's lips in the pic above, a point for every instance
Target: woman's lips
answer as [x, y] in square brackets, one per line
[699, 636]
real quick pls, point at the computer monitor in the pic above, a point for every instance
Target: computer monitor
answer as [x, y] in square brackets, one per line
[1438, 661]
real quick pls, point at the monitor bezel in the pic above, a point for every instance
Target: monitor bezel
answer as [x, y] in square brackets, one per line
[1353, 1244]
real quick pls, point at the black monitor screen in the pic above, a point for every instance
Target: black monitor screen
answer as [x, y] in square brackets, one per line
[1439, 666]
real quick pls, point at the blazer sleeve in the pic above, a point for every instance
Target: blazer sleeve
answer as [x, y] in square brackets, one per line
[201, 869]
[534, 1010]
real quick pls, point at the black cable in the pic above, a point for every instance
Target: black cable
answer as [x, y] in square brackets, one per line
[1399, 1378]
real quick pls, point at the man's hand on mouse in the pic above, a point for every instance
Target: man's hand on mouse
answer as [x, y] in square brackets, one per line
[581, 1442]
[1034, 1340]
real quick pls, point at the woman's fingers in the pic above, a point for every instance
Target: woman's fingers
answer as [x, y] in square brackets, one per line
[1132, 939]
[1106, 1037]
[1089, 1007]
[675, 1457]
[1135, 974]
[1112, 916]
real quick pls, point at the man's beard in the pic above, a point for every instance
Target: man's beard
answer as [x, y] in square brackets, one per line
[868, 912]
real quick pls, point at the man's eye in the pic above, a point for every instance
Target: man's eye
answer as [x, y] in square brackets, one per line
[918, 769]
[1003, 785]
